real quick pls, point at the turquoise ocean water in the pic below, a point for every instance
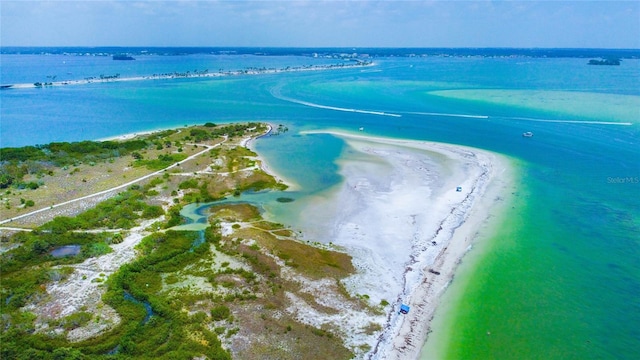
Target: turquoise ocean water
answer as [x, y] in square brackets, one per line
[560, 278]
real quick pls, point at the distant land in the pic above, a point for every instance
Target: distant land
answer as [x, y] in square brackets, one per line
[604, 62]
[332, 52]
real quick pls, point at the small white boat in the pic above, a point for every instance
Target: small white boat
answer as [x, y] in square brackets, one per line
[527, 134]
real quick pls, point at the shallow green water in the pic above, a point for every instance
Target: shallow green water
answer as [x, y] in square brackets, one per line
[553, 288]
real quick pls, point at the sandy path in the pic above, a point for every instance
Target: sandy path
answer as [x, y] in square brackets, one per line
[115, 188]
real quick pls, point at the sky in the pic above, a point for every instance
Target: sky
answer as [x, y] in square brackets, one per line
[354, 23]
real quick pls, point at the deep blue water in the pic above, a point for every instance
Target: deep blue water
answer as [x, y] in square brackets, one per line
[562, 278]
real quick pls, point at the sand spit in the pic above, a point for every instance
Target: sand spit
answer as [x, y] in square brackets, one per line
[407, 212]
[189, 75]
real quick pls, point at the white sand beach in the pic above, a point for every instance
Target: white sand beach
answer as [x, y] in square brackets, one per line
[407, 212]
[189, 75]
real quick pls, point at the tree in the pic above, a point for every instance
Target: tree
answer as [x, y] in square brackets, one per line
[5, 181]
[40, 246]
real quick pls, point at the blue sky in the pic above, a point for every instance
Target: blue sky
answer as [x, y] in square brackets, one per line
[575, 24]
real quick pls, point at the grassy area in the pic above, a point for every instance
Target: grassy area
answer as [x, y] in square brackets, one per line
[33, 178]
[267, 329]
[225, 289]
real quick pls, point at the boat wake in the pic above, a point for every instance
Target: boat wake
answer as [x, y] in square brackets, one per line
[449, 115]
[574, 121]
[276, 93]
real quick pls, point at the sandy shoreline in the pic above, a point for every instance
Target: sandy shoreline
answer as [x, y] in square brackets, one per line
[133, 135]
[264, 166]
[188, 75]
[400, 215]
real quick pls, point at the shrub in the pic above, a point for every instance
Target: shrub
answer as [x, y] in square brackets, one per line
[220, 312]
[153, 211]
[189, 184]
[76, 320]
[117, 238]
[33, 185]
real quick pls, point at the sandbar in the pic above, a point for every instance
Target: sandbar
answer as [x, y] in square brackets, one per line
[407, 211]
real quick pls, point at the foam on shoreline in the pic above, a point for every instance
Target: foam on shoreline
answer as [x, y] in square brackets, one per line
[133, 135]
[407, 212]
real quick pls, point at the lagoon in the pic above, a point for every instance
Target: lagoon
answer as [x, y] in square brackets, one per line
[67, 250]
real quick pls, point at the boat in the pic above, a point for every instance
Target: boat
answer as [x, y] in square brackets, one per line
[527, 134]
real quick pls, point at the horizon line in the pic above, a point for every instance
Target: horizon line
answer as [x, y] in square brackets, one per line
[318, 47]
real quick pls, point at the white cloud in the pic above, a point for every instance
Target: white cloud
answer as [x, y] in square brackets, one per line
[322, 23]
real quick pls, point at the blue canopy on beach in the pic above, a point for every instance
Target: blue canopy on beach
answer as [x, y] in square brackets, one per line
[404, 308]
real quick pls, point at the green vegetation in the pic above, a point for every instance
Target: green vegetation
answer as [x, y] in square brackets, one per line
[257, 181]
[163, 161]
[42, 159]
[281, 129]
[311, 261]
[170, 333]
[210, 131]
[237, 158]
[75, 320]
[185, 292]
[189, 184]
[236, 212]
[174, 217]
[119, 212]
[167, 335]
[236, 130]
[220, 312]
[26, 268]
